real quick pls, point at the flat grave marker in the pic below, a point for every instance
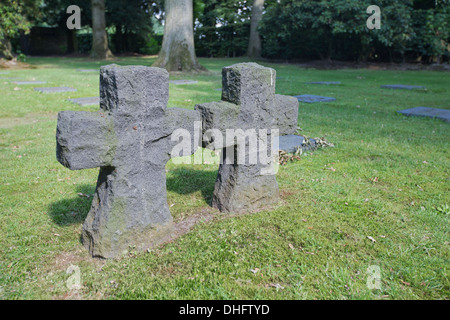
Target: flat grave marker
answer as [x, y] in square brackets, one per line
[88, 101]
[309, 98]
[176, 82]
[442, 114]
[87, 70]
[29, 82]
[55, 89]
[401, 87]
[290, 143]
[325, 82]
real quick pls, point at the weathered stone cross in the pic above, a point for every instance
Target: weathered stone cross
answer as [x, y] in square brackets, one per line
[130, 140]
[248, 102]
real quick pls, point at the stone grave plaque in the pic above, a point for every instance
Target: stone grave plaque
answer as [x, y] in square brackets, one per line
[443, 114]
[309, 98]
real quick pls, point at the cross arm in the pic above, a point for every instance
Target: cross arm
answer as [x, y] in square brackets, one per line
[219, 116]
[84, 139]
[178, 118]
[285, 114]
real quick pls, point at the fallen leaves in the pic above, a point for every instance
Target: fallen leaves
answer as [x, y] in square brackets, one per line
[285, 157]
[254, 271]
[322, 142]
[83, 195]
[405, 283]
[274, 285]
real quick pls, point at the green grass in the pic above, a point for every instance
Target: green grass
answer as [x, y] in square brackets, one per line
[313, 245]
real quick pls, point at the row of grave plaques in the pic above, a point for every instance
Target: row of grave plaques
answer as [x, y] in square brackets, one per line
[442, 114]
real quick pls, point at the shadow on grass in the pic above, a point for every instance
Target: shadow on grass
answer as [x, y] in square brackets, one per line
[187, 181]
[182, 181]
[74, 210]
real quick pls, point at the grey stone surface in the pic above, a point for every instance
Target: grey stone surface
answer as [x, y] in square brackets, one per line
[443, 114]
[248, 102]
[55, 89]
[401, 86]
[29, 82]
[291, 143]
[129, 138]
[183, 81]
[325, 82]
[85, 101]
[87, 70]
[309, 98]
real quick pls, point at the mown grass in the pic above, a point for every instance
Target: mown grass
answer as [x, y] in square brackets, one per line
[387, 178]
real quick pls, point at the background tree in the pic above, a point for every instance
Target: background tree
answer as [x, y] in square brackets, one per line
[431, 24]
[396, 32]
[222, 28]
[254, 43]
[54, 13]
[100, 48]
[336, 29]
[178, 51]
[15, 16]
[133, 27]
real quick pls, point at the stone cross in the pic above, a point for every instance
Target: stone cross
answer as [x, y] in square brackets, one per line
[248, 102]
[129, 138]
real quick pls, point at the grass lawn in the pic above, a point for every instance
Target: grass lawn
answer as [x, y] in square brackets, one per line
[387, 178]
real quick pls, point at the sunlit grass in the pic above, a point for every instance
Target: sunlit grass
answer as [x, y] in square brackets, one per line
[386, 178]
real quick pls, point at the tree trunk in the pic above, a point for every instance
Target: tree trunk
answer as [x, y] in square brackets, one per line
[100, 49]
[72, 43]
[178, 51]
[254, 42]
[5, 49]
[118, 39]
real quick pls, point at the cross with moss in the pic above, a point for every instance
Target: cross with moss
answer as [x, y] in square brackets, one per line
[129, 138]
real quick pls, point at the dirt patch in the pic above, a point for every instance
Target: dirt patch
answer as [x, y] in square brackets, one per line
[29, 118]
[183, 226]
[14, 65]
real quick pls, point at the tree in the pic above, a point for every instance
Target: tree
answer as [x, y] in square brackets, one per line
[100, 49]
[133, 26]
[178, 51]
[254, 43]
[15, 17]
[222, 27]
[54, 14]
